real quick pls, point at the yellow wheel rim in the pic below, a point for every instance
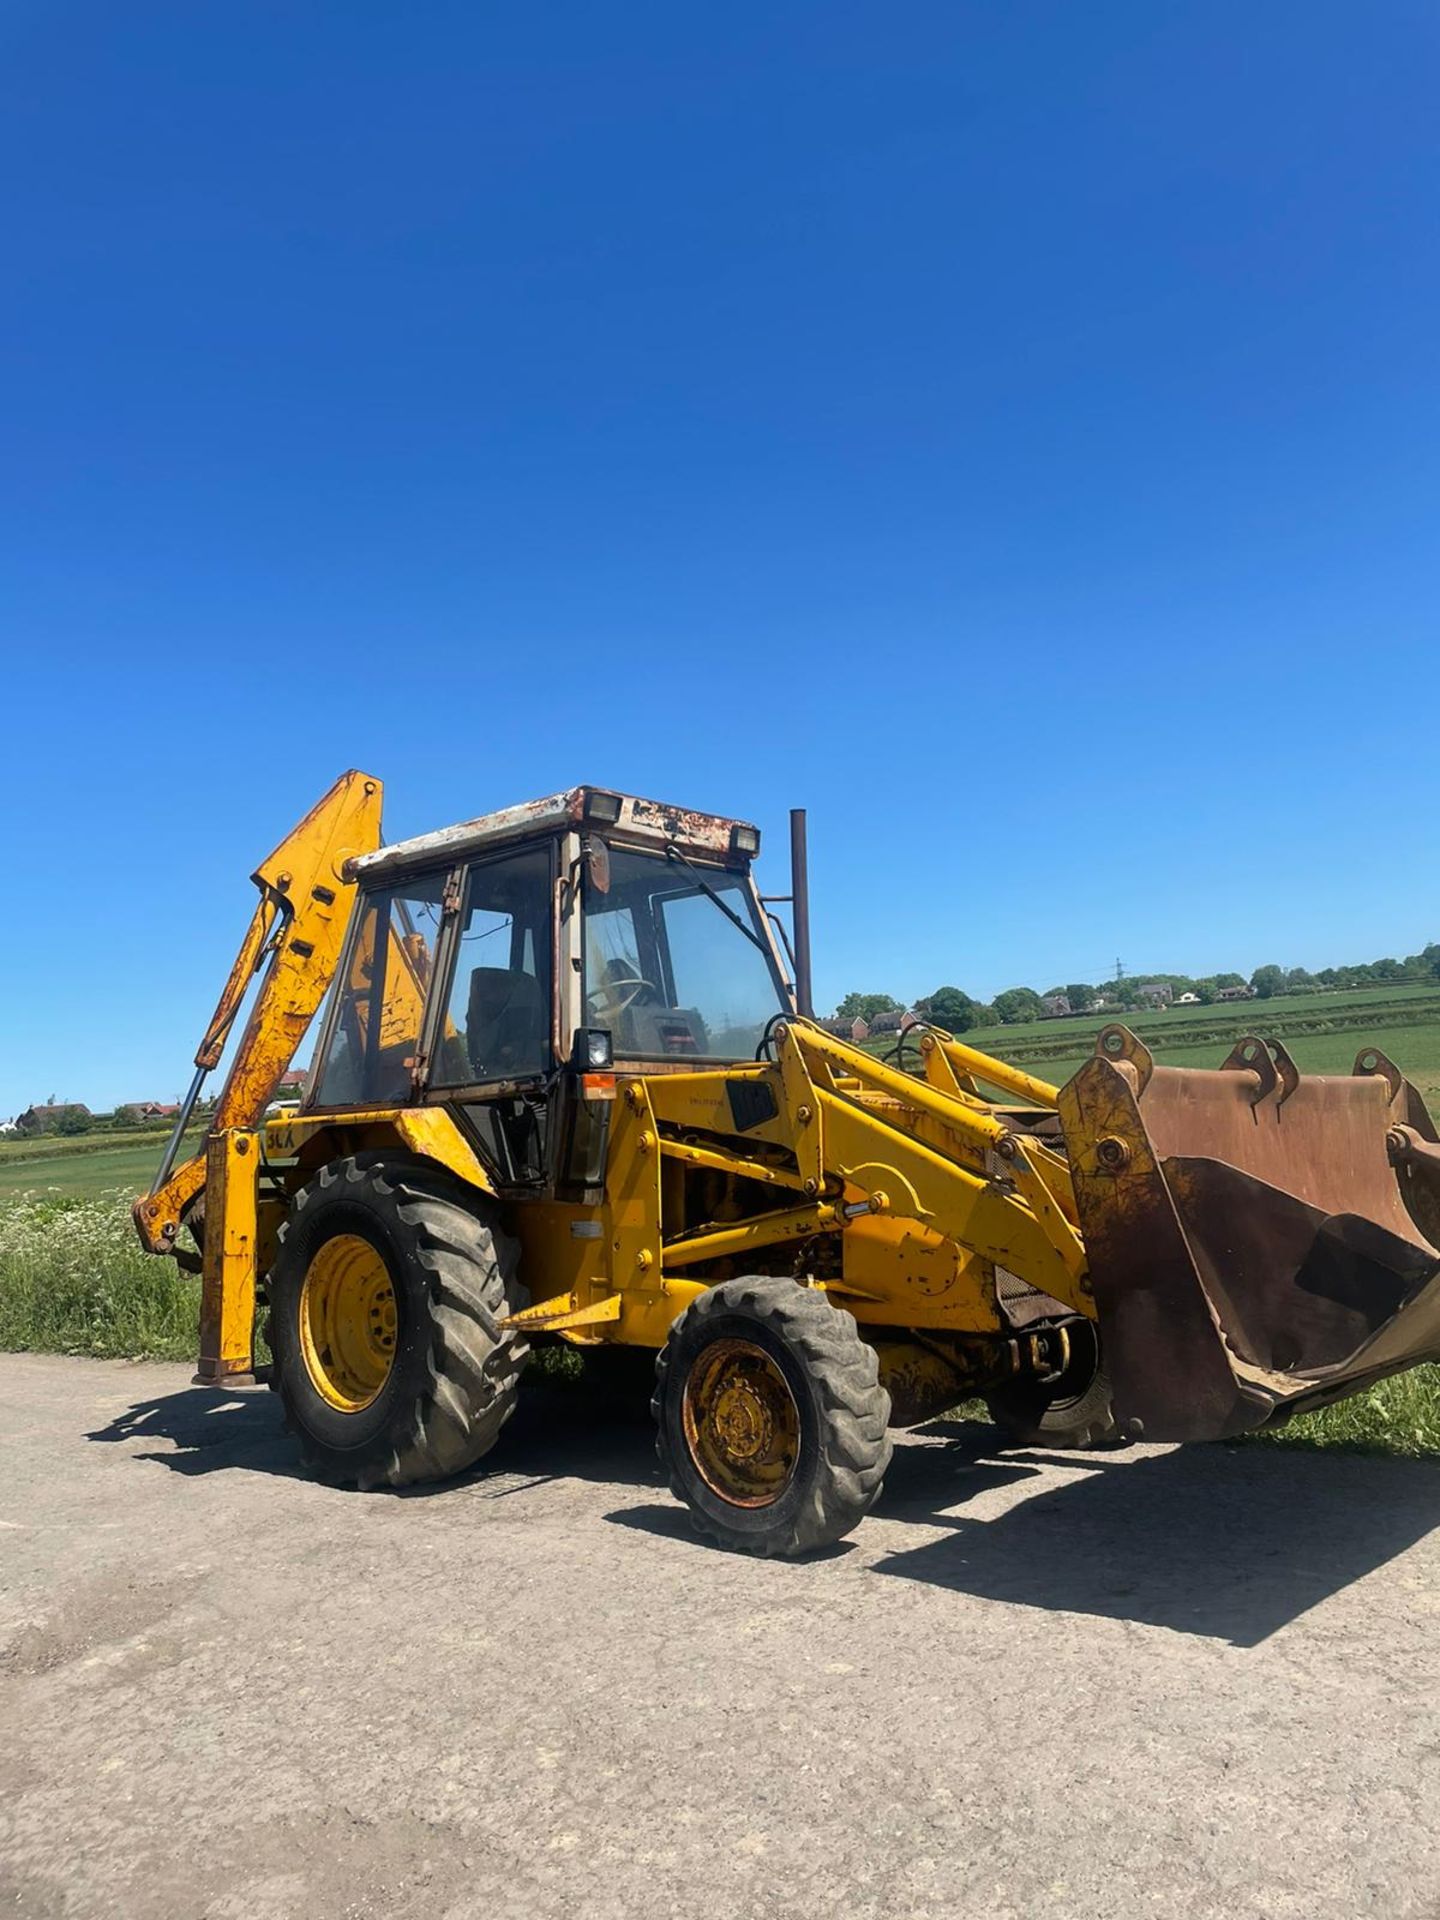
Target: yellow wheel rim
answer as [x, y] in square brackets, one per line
[348, 1321]
[742, 1425]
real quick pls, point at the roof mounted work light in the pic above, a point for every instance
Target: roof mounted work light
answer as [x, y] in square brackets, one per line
[604, 807]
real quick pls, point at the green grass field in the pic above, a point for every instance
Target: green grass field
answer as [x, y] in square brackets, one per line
[93, 1164]
[1324, 1032]
[74, 1280]
[1415, 1050]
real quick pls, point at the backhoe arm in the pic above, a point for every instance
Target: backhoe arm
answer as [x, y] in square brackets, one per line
[299, 925]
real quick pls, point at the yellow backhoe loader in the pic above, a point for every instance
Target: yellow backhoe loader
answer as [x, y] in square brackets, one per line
[568, 1087]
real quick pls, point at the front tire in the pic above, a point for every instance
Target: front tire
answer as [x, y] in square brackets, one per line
[386, 1302]
[1074, 1411]
[770, 1417]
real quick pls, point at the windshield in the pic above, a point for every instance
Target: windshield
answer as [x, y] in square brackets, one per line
[667, 970]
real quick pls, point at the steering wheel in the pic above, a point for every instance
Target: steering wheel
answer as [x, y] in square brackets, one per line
[617, 995]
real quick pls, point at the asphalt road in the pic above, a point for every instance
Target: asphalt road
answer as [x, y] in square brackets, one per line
[1135, 1684]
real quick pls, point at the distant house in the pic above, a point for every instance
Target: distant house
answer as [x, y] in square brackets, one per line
[1055, 1006]
[1235, 993]
[42, 1119]
[856, 1029]
[1188, 1000]
[1156, 993]
[294, 1081]
[894, 1022]
[137, 1112]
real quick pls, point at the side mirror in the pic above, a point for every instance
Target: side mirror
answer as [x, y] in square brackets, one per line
[596, 858]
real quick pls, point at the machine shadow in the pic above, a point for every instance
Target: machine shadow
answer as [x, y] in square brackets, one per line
[555, 1434]
[1231, 1543]
[924, 1485]
[208, 1430]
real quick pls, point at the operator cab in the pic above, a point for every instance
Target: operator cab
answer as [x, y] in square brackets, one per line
[490, 963]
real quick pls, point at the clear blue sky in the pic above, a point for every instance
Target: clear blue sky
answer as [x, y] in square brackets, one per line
[1012, 431]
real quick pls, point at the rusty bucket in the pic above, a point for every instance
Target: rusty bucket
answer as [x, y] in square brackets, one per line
[1260, 1240]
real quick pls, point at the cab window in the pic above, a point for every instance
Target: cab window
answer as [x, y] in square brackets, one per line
[496, 1023]
[376, 1032]
[675, 960]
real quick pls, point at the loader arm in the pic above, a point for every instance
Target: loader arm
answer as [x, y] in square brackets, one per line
[299, 925]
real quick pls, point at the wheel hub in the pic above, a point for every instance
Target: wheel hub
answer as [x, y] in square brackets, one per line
[349, 1322]
[741, 1423]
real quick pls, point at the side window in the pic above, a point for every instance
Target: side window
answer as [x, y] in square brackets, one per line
[496, 1024]
[382, 998]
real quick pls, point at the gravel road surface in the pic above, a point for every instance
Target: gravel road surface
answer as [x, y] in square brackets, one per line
[1148, 1683]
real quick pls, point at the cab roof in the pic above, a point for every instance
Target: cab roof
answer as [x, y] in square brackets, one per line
[625, 816]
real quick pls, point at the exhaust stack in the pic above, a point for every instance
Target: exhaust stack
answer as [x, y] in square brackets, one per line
[800, 912]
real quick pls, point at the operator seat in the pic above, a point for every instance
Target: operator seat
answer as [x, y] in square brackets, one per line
[506, 1024]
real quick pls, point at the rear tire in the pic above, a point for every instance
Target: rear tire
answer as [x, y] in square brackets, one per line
[1072, 1412]
[770, 1417]
[386, 1298]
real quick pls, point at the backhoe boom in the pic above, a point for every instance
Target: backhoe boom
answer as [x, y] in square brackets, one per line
[299, 924]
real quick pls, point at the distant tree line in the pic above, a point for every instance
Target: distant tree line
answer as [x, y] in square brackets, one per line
[957, 1012]
[948, 1007]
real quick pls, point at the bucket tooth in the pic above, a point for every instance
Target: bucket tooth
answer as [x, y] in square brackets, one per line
[1407, 1107]
[1251, 1055]
[1286, 1068]
[1370, 1060]
[1121, 1048]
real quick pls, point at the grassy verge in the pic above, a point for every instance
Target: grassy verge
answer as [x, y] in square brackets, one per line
[1399, 1416]
[74, 1280]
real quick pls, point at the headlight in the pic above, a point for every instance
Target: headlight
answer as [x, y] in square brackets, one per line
[593, 1051]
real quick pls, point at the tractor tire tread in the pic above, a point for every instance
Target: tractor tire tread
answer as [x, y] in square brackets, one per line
[474, 1363]
[853, 1410]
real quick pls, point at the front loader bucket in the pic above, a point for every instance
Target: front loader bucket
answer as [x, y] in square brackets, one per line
[1259, 1241]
